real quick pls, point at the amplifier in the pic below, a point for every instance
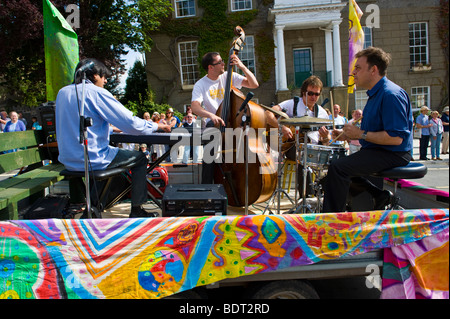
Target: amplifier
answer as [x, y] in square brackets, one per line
[47, 111]
[194, 200]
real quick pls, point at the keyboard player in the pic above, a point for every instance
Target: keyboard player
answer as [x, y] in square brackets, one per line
[104, 109]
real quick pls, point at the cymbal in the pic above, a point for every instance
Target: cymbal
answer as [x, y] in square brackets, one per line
[306, 121]
[279, 113]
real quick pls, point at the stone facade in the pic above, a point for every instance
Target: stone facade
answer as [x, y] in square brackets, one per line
[305, 25]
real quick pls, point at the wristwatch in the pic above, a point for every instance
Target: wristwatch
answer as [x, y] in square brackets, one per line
[364, 135]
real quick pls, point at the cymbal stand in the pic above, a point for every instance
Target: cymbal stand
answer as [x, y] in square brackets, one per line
[279, 190]
[304, 206]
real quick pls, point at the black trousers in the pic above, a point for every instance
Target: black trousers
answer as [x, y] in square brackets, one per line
[208, 168]
[351, 171]
[423, 146]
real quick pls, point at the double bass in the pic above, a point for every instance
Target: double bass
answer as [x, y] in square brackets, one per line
[260, 171]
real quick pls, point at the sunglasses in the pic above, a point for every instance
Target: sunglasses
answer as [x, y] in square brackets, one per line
[310, 93]
[220, 62]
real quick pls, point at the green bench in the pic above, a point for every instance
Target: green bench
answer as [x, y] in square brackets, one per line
[32, 178]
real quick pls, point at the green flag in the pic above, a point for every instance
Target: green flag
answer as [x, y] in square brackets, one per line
[61, 50]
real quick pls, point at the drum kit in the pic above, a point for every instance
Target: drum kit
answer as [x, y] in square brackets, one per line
[314, 159]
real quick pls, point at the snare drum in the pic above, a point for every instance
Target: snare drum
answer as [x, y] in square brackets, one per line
[321, 156]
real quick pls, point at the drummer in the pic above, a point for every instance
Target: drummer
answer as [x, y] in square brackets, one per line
[306, 106]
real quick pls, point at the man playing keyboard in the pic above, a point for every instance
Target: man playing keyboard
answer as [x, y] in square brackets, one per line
[104, 109]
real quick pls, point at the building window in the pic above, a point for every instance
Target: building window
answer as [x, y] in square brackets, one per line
[302, 65]
[360, 99]
[247, 55]
[418, 43]
[185, 8]
[188, 62]
[367, 37]
[239, 5]
[420, 96]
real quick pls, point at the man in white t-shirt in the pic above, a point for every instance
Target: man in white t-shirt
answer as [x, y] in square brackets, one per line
[208, 94]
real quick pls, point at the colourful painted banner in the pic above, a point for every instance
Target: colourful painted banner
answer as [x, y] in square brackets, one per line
[154, 258]
[418, 270]
[404, 183]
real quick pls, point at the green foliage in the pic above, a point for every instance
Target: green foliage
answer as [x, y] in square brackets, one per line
[20, 78]
[145, 103]
[136, 83]
[264, 50]
[214, 29]
[107, 29]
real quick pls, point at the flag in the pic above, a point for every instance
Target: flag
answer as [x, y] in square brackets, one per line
[61, 50]
[355, 40]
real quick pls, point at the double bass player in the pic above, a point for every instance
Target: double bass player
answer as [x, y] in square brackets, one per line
[209, 91]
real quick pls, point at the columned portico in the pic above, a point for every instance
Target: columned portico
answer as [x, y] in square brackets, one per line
[294, 15]
[281, 59]
[337, 55]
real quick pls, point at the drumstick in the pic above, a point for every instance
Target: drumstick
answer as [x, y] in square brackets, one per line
[337, 137]
[332, 108]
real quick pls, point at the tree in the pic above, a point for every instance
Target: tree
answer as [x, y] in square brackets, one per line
[107, 28]
[136, 84]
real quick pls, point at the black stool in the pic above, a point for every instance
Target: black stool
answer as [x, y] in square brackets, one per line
[411, 171]
[105, 177]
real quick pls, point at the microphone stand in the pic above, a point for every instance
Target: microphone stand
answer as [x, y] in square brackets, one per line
[245, 121]
[84, 124]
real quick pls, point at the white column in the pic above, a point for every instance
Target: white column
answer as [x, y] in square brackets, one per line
[337, 55]
[281, 59]
[275, 53]
[329, 54]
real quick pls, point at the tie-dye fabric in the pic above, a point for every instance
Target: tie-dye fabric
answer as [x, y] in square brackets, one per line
[154, 258]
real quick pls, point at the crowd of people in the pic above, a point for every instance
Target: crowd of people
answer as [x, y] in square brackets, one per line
[434, 128]
[15, 122]
[186, 152]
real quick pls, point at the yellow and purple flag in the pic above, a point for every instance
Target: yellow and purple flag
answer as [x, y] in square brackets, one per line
[355, 40]
[61, 50]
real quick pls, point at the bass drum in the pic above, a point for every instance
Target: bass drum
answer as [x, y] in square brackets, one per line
[160, 178]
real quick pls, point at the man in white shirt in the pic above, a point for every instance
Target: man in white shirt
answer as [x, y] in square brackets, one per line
[209, 91]
[307, 106]
[339, 121]
[104, 109]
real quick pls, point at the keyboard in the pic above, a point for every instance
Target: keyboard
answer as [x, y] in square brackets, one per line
[156, 138]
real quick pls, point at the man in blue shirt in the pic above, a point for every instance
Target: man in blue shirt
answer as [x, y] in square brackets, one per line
[104, 109]
[385, 135]
[423, 123]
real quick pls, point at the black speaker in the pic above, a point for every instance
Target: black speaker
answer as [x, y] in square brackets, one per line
[194, 200]
[47, 112]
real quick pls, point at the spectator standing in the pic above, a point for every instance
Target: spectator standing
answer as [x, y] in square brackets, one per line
[338, 120]
[436, 131]
[172, 121]
[422, 122]
[445, 123]
[354, 145]
[14, 125]
[146, 116]
[21, 118]
[35, 126]
[3, 120]
[187, 148]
